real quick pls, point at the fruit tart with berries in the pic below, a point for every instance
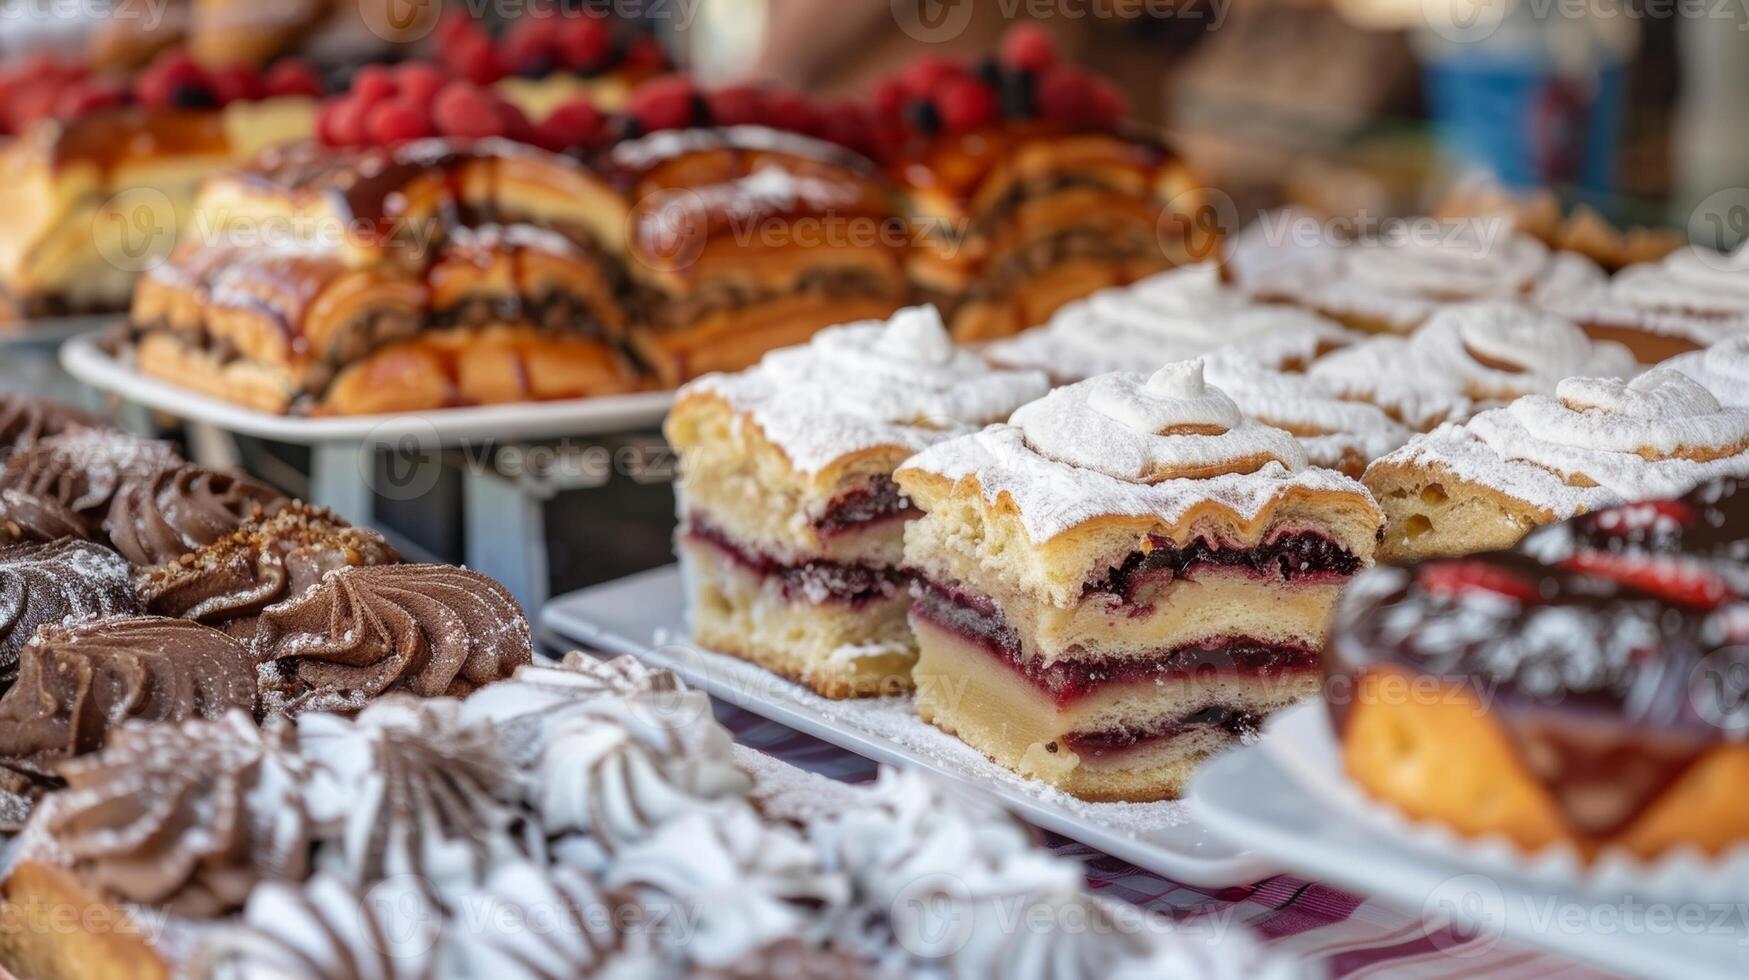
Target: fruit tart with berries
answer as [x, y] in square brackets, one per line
[1029, 188]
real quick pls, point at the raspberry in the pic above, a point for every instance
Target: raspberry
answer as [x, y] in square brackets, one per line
[374, 84]
[465, 110]
[889, 96]
[1029, 47]
[1677, 580]
[513, 122]
[966, 104]
[87, 97]
[644, 54]
[397, 120]
[576, 124]
[663, 103]
[456, 27]
[1457, 579]
[475, 59]
[792, 112]
[737, 105]
[848, 124]
[32, 105]
[169, 81]
[586, 44]
[420, 82]
[923, 75]
[1066, 95]
[1110, 105]
[531, 49]
[236, 83]
[293, 77]
[346, 122]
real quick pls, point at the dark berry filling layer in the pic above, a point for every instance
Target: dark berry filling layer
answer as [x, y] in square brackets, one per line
[814, 581]
[977, 620]
[881, 500]
[1236, 722]
[1300, 554]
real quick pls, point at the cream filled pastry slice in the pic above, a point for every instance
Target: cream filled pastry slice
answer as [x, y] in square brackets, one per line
[1170, 316]
[1595, 442]
[1126, 577]
[1690, 299]
[791, 527]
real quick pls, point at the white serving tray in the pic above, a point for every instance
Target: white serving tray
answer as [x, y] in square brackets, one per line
[1249, 796]
[83, 359]
[643, 615]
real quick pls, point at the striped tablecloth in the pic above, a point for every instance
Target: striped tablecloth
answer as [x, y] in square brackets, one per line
[1345, 935]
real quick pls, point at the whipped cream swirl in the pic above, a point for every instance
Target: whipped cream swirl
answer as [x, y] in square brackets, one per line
[330, 928]
[1723, 368]
[1170, 425]
[1694, 280]
[1500, 351]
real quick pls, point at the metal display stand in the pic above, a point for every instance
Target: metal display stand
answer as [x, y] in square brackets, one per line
[357, 460]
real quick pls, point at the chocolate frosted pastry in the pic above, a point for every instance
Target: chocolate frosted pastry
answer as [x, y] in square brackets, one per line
[1586, 689]
[163, 514]
[267, 560]
[430, 630]
[83, 468]
[185, 817]
[66, 581]
[28, 517]
[77, 682]
[25, 420]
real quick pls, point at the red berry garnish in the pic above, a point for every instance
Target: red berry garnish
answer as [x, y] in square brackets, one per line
[1457, 579]
[467, 111]
[420, 82]
[586, 43]
[236, 83]
[923, 75]
[1029, 47]
[531, 49]
[792, 112]
[966, 103]
[1678, 580]
[737, 105]
[345, 124]
[663, 103]
[644, 54]
[170, 81]
[374, 84]
[848, 124]
[1066, 95]
[1110, 105]
[398, 120]
[575, 125]
[889, 97]
[293, 77]
[91, 95]
[32, 105]
[476, 59]
[513, 122]
[455, 27]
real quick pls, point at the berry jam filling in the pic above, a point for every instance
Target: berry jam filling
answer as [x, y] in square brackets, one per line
[977, 620]
[1300, 554]
[881, 500]
[1236, 722]
[817, 582]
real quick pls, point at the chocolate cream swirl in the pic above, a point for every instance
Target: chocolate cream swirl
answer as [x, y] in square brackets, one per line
[28, 517]
[162, 514]
[429, 630]
[187, 817]
[83, 468]
[65, 581]
[25, 420]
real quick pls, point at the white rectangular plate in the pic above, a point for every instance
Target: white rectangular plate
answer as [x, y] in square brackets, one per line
[84, 360]
[1247, 795]
[643, 615]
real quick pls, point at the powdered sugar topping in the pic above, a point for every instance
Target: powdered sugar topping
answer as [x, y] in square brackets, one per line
[1723, 368]
[1660, 414]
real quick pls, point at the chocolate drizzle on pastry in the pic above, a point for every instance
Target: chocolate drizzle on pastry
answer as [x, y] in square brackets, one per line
[430, 630]
[267, 560]
[83, 468]
[163, 514]
[77, 682]
[66, 581]
[189, 817]
[28, 517]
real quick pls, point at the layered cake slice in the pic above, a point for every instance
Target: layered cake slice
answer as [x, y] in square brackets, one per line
[791, 531]
[1124, 579]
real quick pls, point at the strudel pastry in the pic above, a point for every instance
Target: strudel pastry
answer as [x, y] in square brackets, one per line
[1585, 690]
[1595, 442]
[1466, 357]
[1170, 316]
[1123, 580]
[792, 529]
[744, 239]
[1394, 284]
[1692, 298]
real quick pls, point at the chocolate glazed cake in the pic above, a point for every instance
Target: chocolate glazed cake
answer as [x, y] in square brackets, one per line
[1123, 580]
[1587, 688]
